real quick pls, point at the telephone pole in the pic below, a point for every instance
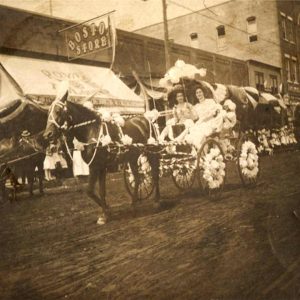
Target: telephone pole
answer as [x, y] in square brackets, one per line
[166, 35]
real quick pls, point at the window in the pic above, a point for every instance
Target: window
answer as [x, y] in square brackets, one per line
[274, 84]
[283, 26]
[290, 29]
[294, 71]
[221, 30]
[287, 67]
[252, 29]
[221, 40]
[259, 81]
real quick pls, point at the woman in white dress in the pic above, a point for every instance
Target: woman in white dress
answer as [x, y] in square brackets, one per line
[210, 120]
[183, 113]
[80, 168]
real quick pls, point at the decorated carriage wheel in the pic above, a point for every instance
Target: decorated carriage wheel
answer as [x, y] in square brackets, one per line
[211, 168]
[146, 184]
[248, 161]
[184, 169]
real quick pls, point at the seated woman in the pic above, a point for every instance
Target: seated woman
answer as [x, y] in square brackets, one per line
[183, 113]
[210, 119]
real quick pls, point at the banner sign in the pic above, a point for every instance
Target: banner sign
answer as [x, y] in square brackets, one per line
[89, 37]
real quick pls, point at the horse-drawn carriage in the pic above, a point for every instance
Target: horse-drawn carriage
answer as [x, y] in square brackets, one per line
[206, 165]
[21, 146]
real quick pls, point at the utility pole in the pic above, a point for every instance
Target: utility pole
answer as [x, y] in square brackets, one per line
[166, 35]
[50, 7]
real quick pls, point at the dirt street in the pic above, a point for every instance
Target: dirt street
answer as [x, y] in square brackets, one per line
[245, 245]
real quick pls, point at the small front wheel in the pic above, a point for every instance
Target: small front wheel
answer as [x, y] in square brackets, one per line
[145, 180]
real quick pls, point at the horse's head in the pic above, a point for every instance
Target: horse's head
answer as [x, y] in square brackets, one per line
[58, 118]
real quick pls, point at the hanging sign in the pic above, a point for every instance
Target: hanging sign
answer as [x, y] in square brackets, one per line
[90, 36]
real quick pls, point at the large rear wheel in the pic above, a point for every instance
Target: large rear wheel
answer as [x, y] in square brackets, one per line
[248, 162]
[211, 168]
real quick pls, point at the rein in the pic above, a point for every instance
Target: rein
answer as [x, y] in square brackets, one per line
[97, 142]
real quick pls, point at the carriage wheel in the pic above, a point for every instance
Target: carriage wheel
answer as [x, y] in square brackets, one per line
[146, 184]
[211, 168]
[248, 162]
[184, 173]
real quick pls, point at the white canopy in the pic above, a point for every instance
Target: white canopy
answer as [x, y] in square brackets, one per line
[37, 79]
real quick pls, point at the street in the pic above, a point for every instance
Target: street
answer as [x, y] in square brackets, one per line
[242, 246]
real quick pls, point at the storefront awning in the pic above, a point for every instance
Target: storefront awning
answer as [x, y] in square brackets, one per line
[37, 80]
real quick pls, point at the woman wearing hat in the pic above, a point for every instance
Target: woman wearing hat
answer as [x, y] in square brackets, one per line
[183, 113]
[212, 118]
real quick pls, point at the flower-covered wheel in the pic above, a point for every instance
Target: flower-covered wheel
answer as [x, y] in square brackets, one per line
[211, 167]
[184, 169]
[145, 184]
[248, 162]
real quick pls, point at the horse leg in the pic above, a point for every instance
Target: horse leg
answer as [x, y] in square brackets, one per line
[41, 176]
[93, 177]
[3, 192]
[30, 177]
[154, 162]
[102, 190]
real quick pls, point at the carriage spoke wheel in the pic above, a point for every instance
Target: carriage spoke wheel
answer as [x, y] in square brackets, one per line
[211, 168]
[145, 184]
[248, 162]
[184, 174]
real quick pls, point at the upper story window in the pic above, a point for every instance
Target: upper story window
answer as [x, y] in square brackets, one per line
[221, 33]
[287, 28]
[283, 26]
[259, 81]
[290, 29]
[252, 29]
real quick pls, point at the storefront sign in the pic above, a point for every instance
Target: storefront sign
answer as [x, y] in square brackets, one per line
[89, 37]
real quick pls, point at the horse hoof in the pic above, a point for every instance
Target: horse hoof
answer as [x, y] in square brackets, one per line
[157, 205]
[101, 221]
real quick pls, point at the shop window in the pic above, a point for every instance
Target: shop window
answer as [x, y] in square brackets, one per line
[294, 71]
[287, 68]
[252, 29]
[259, 81]
[274, 84]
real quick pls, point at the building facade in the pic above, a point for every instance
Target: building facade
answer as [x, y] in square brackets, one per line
[33, 35]
[263, 33]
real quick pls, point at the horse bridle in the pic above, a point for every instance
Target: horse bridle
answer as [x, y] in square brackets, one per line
[51, 118]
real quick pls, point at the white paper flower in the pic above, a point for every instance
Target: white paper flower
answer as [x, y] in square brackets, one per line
[202, 72]
[105, 140]
[151, 141]
[118, 119]
[106, 116]
[179, 63]
[126, 140]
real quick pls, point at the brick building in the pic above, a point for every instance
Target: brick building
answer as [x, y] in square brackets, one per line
[263, 33]
[33, 35]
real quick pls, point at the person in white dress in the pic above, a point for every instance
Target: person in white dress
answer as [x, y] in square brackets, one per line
[80, 168]
[210, 120]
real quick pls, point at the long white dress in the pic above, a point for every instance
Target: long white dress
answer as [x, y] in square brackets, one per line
[210, 120]
[80, 168]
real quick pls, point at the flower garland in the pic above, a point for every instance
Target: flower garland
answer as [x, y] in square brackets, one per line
[249, 160]
[214, 168]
